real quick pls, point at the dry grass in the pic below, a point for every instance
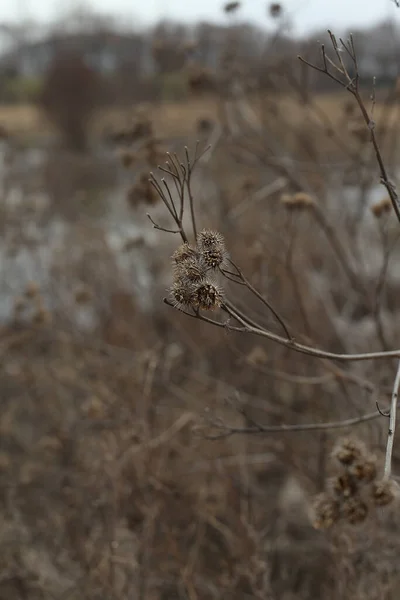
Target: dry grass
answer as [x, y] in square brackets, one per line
[171, 120]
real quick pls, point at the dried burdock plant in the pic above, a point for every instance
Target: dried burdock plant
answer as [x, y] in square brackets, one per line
[205, 253]
[326, 511]
[382, 207]
[385, 492]
[348, 451]
[354, 510]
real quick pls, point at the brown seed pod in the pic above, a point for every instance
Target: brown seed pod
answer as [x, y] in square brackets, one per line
[209, 296]
[384, 492]
[364, 470]
[349, 450]
[382, 207]
[211, 245]
[325, 511]
[183, 294]
[184, 252]
[193, 270]
[344, 485]
[354, 510]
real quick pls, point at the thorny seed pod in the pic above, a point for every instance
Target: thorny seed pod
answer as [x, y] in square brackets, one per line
[344, 485]
[326, 511]
[349, 450]
[364, 470]
[382, 207]
[384, 492]
[193, 270]
[183, 294]
[209, 296]
[354, 510]
[184, 252]
[212, 247]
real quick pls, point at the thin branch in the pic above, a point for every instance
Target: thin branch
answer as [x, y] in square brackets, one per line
[392, 425]
[163, 228]
[258, 428]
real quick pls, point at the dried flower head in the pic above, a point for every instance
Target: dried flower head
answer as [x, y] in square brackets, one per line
[200, 79]
[349, 450]
[184, 252]
[382, 207]
[364, 470]
[142, 191]
[384, 492]
[83, 295]
[212, 247]
[183, 294]
[354, 510]
[193, 269]
[344, 485]
[19, 305]
[326, 511]
[297, 201]
[42, 317]
[127, 158]
[275, 9]
[32, 289]
[231, 7]
[209, 296]
[359, 130]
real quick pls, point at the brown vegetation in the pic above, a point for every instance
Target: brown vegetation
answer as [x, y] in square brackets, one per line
[243, 450]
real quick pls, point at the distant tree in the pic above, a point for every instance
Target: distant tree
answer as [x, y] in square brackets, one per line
[72, 90]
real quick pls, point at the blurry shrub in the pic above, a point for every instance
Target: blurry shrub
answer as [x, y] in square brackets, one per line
[22, 89]
[173, 87]
[71, 92]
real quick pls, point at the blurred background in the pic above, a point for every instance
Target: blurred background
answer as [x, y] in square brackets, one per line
[109, 485]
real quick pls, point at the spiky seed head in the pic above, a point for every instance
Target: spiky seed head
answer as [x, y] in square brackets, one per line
[209, 296]
[211, 245]
[384, 492]
[354, 510]
[325, 511]
[183, 294]
[349, 450]
[344, 485]
[382, 207]
[208, 239]
[214, 258]
[364, 470]
[184, 252]
[192, 269]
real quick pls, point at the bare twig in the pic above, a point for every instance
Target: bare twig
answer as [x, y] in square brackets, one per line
[392, 425]
[227, 430]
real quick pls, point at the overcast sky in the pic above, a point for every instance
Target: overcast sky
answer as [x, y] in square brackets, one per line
[305, 14]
